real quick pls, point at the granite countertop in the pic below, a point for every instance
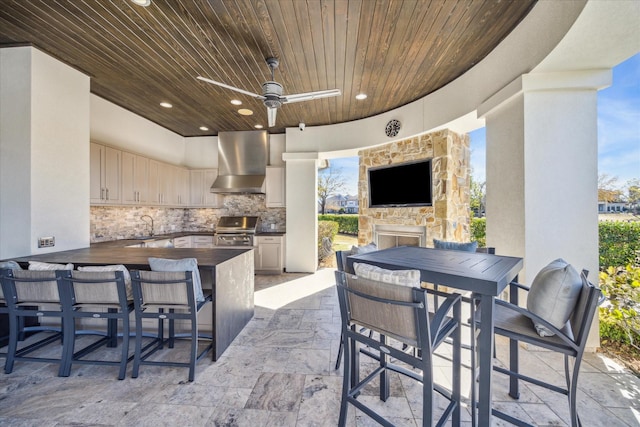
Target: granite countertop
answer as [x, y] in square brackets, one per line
[271, 233]
[127, 242]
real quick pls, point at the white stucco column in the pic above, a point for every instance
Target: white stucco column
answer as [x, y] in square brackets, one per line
[542, 170]
[302, 212]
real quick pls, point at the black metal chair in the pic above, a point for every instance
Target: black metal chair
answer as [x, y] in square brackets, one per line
[400, 313]
[166, 296]
[35, 294]
[516, 323]
[96, 295]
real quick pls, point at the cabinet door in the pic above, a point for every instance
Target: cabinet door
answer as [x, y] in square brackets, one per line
[182, 184]
[270, 257]
[96, 169]
[196, 193]
[135, 172]
[153, 191]
[182, 242]
[141, 179]
[211, 200]
[202, 241]
[129, 195]
[112, 175]
[275, 187]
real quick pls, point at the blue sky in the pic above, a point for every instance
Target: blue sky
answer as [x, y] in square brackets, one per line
[618, 132]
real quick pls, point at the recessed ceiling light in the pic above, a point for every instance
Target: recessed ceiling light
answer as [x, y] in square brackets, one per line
[361, 96]
[258, 126]
[165, 105]
[245, 112]
[204, 128]
[144, 3]
[236, 102]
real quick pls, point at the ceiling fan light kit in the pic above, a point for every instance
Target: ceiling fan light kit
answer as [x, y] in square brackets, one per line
[272, 97]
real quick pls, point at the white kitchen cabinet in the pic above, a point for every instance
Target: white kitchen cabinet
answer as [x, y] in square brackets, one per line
[181, 186]
[202, 241]
[161, 177]
[201, 195]
[104, 174]
[135, 179]
[269, 254]
[275, 187]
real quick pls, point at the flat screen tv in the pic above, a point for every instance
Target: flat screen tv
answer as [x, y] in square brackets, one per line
[402, 184]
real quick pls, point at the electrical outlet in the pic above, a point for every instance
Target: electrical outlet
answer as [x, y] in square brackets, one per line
[46, 242]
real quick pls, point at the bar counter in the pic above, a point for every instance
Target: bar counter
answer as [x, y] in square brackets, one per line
[229, 273]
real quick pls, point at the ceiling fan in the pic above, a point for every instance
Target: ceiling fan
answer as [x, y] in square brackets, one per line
[272, 96]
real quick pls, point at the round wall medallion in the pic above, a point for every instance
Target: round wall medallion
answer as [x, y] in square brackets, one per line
[392, 128]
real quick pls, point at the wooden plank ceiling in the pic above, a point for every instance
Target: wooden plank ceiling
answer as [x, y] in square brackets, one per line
[394, 51]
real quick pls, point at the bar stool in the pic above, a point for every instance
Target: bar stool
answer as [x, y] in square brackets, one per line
[96, 295]
[168, 296]
[35, 294]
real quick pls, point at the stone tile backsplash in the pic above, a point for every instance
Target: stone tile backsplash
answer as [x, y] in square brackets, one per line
[123, 222]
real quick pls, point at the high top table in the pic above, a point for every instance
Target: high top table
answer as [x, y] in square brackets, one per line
[484, 274]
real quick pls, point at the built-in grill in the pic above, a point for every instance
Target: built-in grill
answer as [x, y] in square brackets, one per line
[236, 230]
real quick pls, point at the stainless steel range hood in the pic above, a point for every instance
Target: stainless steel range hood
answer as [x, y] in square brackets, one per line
[242, 162]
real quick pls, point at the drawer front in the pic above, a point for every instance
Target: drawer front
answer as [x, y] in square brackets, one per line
[269, 239]
[203, 239]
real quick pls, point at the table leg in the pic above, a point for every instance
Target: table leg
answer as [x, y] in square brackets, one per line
[485, 349]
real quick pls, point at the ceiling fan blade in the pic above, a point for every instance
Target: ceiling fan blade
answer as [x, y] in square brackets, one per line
[255, 95]
[271, 116]
[310, 95]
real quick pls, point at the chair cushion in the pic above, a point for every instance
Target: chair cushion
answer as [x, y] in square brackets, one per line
[12, 265]
[455, 246]
[395, 277]
[185, 264]
[553, 294]
[116, 267]
[44, 266]
[363, 249]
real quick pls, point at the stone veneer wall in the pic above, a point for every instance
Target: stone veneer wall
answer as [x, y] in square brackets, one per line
[123, 222]
[449, 216]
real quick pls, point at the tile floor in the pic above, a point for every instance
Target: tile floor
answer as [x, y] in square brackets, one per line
[279, 372]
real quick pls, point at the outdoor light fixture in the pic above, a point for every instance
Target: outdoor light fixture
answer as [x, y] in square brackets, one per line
[165, 105]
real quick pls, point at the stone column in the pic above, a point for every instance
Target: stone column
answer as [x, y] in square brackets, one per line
[542, 170]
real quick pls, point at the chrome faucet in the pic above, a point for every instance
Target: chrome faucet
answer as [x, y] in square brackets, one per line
[143, 219]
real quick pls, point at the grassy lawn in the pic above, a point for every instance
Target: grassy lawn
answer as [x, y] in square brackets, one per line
[342, 242]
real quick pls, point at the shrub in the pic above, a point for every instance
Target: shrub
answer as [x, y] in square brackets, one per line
[347, 224]
[619, 319]
[326, 229]
[619, 243]
[478, 231]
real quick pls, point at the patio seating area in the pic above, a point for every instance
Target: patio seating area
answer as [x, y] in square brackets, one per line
[280, 372]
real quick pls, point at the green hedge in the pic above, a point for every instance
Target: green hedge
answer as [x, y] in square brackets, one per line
[347, 224]
[479, 231]
[619, 243]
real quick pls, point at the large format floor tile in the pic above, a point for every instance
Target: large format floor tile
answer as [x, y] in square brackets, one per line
[280, 372]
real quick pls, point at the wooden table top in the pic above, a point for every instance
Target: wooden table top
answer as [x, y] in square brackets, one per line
[478, 272]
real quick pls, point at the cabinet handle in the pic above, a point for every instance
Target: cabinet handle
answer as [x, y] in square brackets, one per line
[107, 194]
[101, 193]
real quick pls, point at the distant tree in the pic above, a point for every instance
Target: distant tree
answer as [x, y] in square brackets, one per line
[633, 196]
[330, 182]
[607, 188]
[477, 192]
